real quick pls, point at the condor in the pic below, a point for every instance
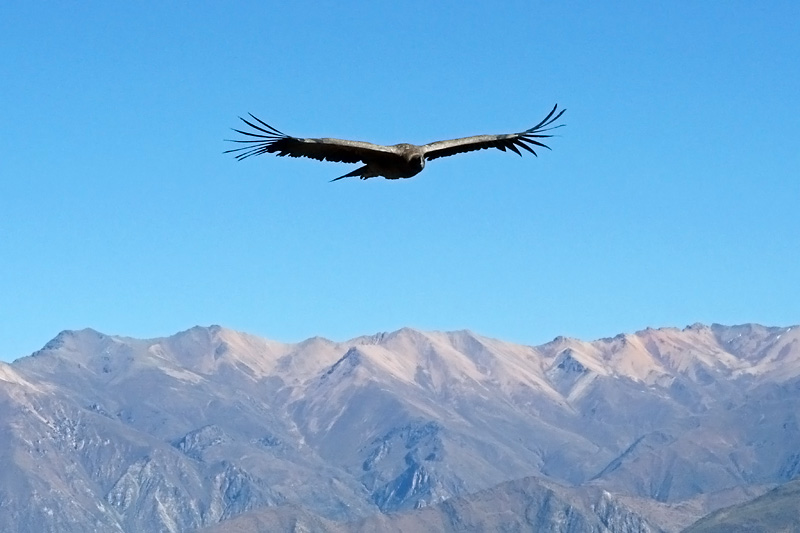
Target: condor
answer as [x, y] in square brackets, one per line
[391, 162]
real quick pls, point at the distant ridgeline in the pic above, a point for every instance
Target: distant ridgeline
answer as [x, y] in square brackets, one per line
[216, 428]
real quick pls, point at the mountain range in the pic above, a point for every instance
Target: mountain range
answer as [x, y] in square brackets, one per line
[448, 431]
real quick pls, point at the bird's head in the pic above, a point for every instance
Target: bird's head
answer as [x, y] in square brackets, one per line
[417, 160]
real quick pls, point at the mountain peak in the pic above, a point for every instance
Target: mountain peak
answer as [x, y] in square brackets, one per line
[72, 339]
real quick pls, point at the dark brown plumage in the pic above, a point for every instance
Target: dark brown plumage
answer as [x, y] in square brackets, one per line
[391, 162]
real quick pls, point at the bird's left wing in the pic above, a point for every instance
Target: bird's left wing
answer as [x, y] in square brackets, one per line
[527, 139]
[264, 139]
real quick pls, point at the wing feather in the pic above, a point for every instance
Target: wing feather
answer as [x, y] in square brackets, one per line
[264, 139]
[527, 139]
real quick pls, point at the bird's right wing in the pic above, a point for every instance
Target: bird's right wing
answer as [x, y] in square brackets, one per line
[267, 140]
[526, 139]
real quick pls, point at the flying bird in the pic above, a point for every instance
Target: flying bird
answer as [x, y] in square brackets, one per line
[391, 162]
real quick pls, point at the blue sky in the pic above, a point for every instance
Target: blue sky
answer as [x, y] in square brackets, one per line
[672, 195]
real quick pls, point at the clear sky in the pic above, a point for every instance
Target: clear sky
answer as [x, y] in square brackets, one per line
[672, 195]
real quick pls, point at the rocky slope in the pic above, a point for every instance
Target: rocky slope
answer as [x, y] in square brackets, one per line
[777, 510]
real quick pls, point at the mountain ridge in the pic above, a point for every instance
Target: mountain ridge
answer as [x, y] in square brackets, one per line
[135, 430]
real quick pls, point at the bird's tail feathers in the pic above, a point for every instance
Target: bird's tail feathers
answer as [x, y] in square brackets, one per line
[356, 172]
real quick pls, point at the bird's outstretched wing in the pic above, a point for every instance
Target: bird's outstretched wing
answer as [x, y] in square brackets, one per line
[264, 139]
[527, 139]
